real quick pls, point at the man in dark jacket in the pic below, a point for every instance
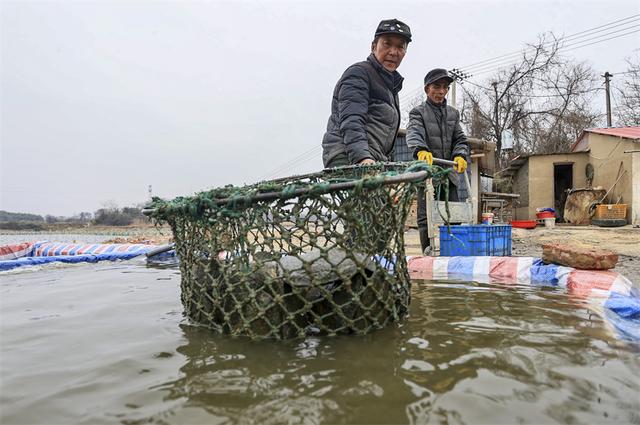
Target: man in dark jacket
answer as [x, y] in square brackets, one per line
[365, 112]
[434, 131]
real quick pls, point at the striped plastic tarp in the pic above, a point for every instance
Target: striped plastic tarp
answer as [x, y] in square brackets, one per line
[608, 291]
[11, 252]
[48, 249]
[49, 252]
[520, 270]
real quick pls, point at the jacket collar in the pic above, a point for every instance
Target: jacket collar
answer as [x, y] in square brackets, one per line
[392, 79]
[436, 105]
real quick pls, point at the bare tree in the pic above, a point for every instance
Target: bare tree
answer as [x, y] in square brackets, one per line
[408, 104]
[544, 99]
[479, 124]
[628, 111]
[564, 109]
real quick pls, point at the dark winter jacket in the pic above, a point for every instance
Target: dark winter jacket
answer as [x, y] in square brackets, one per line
[365, 114]
[436, 128]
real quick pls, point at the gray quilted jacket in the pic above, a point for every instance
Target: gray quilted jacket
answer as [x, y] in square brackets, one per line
[436, 128]
[365, 114]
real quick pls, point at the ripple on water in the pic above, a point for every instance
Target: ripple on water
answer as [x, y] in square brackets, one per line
[109, 344]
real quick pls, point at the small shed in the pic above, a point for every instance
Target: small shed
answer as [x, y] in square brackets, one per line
[612, 156]
[542, 181]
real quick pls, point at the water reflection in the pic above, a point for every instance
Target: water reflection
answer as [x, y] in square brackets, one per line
[469, 353]
[502, 355]
[256, 381]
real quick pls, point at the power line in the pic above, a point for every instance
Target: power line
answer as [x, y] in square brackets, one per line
[586, 32]
[519, 52]
[309, 157]
[406, 97]
[565, 48]
[562, 95]
[475, 84]
[309, 153]
[561, 50]
[304, 156]
[561, 43]
[542, 96]
[315, 156]
[623, 73]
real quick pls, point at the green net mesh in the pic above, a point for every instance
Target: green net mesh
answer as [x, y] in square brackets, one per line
[321, 253]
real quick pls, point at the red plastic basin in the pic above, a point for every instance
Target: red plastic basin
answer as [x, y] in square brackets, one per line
[545, 214]
[524, 224]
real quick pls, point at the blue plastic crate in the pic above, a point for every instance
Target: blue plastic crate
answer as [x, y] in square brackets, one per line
[476, 239]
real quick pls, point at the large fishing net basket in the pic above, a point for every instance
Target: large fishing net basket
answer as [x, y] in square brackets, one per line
[321, 253]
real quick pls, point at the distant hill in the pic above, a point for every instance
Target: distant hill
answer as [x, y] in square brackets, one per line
[6, 216]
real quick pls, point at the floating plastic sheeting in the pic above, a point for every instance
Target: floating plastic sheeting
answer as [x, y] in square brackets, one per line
[165, 259]
[11, 252]
[48, 252]
[83, 258]
[45, 249]
[616, 297]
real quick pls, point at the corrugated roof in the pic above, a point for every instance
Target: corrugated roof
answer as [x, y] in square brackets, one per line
[626, 132]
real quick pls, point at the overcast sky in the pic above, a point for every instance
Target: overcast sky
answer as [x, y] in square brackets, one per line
[101, 99]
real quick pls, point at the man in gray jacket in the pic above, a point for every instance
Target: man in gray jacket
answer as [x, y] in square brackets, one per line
[365, 112]
[434, 131]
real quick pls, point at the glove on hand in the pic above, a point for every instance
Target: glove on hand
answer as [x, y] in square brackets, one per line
[461, 164]
[425, 156]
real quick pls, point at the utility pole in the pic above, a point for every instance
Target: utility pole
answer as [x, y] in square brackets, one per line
[496, 124]
[457, 75]
[453, 93]
[608, 94]
[495, 108]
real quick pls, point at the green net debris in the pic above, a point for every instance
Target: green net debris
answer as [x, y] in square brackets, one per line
[321, 253]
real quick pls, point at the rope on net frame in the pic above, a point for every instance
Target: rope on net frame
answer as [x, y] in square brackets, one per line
[321, 253]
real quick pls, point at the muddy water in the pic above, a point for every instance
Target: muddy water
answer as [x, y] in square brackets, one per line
[107, 343]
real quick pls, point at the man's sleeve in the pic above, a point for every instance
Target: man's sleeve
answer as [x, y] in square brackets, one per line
[416, 133]
[353, 107]
[460, 145]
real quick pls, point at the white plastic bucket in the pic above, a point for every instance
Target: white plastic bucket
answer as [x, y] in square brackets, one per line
[549, 222]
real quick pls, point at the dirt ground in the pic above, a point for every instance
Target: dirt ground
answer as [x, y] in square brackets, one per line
[625, 241]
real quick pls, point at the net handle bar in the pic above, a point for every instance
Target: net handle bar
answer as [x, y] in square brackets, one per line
[354, 167]
[443, 161]
[447, 162]
[320, 174]
[270, 196]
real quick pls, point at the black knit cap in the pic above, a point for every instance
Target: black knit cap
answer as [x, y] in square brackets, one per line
[393, 26]
[437, 74]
